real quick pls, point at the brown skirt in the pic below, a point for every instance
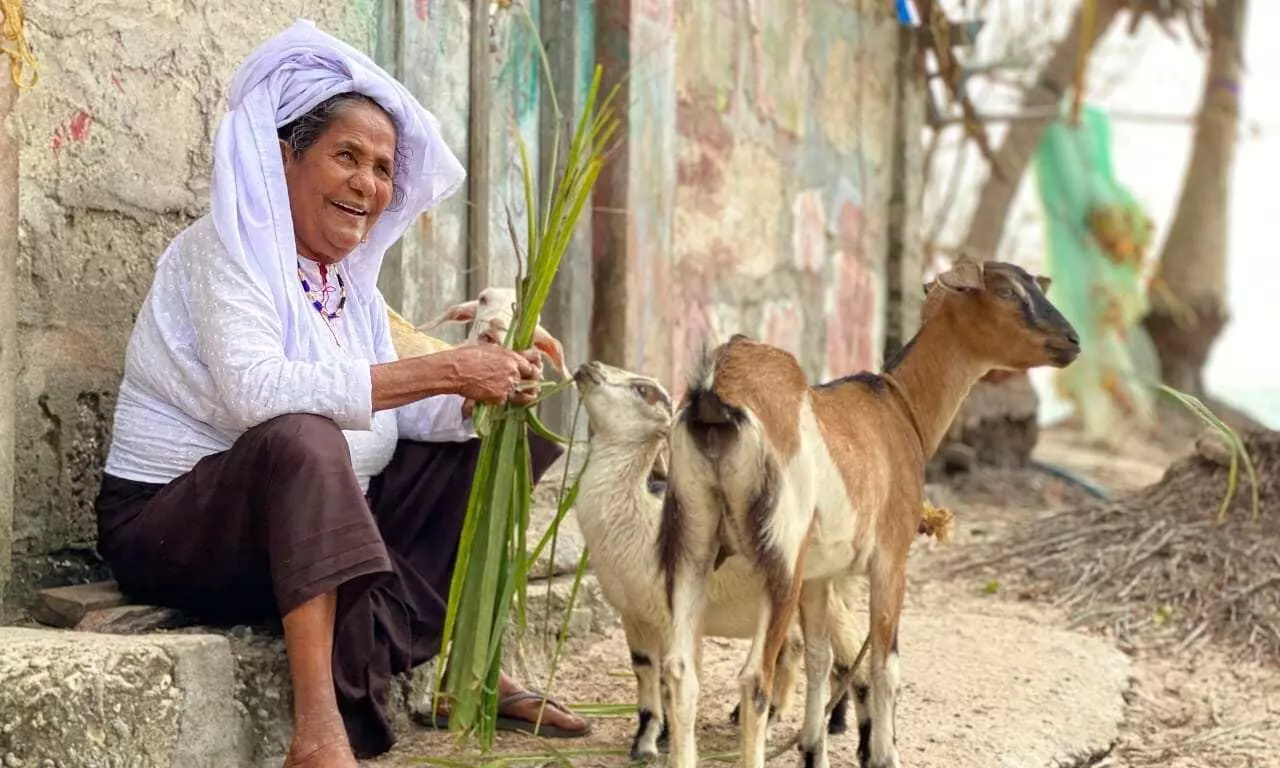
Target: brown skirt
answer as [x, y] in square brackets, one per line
[255, 531]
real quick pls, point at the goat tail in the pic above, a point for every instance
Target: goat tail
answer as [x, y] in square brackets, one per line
[706, 408]
[704, 405]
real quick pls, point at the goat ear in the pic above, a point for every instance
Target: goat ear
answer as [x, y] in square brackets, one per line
[965, 274]
[458, 313]
[1044, 282]
[550, 346]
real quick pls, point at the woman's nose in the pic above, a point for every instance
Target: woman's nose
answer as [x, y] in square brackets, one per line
[362, 182]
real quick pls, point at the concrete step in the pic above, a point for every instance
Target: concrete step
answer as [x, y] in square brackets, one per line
[85, 699]
[187, 696]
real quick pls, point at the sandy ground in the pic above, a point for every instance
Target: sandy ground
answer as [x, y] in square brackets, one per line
[991, 679]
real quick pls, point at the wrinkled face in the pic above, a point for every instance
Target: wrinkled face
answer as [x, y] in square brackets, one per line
[342, 183]
[621, 404]
[1009, 321]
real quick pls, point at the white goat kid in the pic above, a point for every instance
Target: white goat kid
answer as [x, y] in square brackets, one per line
[491, 314]
[618, 509]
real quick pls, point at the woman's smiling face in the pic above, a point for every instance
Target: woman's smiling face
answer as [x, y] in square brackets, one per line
[342, 182]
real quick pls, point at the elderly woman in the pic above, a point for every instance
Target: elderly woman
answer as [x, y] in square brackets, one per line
[270, 455]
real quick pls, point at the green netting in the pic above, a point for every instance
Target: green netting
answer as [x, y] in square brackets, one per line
[1097, 236]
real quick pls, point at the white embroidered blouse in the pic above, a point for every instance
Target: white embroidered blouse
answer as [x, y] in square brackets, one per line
[206, 362]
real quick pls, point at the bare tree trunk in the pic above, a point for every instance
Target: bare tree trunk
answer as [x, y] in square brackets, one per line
[995, 201]
[1193, 266]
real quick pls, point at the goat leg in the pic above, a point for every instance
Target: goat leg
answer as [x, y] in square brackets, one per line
[784, 683]
[818, 658]
[755, 684]
[686, 550]
[646, 659]
[877, 734]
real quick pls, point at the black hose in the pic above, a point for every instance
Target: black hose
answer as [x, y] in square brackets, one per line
[1088, 486]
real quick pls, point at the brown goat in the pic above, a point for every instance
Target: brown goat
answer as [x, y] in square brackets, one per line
[815, 485]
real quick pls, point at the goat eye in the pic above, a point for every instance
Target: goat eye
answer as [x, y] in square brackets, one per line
[1005, 292]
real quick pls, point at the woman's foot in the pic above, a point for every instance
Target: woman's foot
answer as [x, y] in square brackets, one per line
[518, 710]
[331, 753]
[320, 745]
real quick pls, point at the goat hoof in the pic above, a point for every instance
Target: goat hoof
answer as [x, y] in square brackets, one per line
[643, 755]
[813, 759]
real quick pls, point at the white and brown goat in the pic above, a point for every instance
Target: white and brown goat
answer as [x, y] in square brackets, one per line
[490, 315]
[816, 484]
[618, 509]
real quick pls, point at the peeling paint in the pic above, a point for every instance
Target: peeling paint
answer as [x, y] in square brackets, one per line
[78, 128]
[852, 305]
[779, 32]
[809, 231]
[783, 325]
[779, 225]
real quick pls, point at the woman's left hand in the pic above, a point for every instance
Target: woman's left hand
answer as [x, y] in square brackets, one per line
[523, 397]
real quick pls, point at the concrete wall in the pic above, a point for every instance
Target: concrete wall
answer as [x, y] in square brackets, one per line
[115, 151]
[757, 183]
[8, 321]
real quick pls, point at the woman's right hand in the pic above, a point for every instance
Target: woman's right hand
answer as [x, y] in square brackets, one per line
[490, 374]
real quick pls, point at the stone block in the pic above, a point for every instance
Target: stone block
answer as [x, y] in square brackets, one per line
[591, 613]
[64, 607]
[78, 698]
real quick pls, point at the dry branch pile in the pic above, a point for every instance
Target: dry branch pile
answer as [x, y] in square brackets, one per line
[1156, 566]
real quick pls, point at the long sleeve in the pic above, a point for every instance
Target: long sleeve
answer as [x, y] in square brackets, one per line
[239, 337]
[436, 419]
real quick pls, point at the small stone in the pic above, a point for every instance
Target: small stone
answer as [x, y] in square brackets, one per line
[13, 761]
[121, 728]
[1211, 447]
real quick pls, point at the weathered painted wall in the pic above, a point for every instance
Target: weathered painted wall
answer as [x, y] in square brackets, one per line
[758, 181]
[425, 45]
[115, 152]
[785, 144]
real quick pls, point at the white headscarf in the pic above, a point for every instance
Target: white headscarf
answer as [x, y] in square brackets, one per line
[281, 80]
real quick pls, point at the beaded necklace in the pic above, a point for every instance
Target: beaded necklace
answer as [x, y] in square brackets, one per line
[328, 317]
[315, 301]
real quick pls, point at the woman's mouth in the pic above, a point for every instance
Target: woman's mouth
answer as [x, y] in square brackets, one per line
[351, 209]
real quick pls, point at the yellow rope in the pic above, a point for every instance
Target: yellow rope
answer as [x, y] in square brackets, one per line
[19, 53]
